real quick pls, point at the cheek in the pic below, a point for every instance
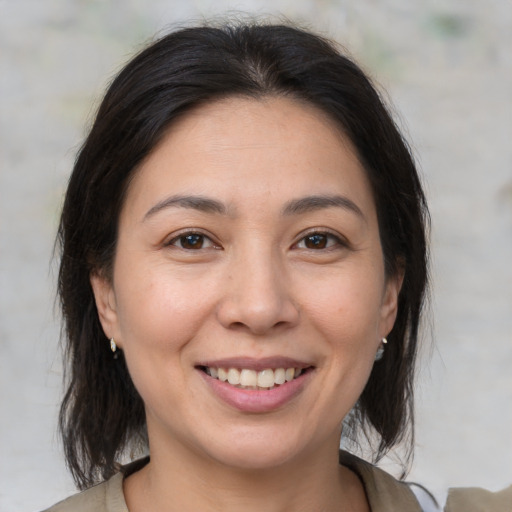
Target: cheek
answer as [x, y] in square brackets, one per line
[157, 321]
[158, 312]
[347, 309]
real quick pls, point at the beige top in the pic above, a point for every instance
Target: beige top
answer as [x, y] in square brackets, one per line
[479, 500]
[384, 493]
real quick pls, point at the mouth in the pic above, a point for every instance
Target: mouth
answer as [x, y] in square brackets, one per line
[250, 379]
[256, 386]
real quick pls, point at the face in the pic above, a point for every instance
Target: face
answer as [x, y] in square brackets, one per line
[248, 293]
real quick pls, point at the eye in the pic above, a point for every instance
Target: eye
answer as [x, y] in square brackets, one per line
[318, 240]
[192, 241]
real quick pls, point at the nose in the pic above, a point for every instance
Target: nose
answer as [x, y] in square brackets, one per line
[257, 297]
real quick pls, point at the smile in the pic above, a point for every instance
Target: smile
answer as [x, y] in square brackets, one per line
[246, 378]
[257, 385]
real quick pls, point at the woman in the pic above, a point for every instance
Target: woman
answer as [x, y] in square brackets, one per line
[244, 265]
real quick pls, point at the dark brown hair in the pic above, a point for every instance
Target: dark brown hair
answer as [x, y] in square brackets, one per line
[102, 415]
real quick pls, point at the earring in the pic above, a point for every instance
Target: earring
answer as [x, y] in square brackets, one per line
[380, 351]
[113, 347]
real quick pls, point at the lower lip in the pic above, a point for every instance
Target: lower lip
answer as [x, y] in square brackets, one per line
[257, 401]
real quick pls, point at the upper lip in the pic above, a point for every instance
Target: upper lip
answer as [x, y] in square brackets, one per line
[255, 364]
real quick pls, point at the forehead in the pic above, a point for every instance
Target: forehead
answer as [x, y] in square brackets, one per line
[252, 149]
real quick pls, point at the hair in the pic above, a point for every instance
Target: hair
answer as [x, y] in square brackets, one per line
[102, 415]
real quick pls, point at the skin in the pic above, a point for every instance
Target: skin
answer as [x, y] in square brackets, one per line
[253, 286]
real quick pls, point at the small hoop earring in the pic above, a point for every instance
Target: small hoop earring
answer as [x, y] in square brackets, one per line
[380, 351]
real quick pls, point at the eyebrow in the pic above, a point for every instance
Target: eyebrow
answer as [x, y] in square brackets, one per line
[293, 207]
[320, 202]
[200, 203]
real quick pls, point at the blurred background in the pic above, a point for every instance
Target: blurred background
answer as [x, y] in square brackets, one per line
[447, 66]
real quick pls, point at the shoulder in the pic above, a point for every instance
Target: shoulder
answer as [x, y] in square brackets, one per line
[105, 497]
[384, 492]
[473, 499]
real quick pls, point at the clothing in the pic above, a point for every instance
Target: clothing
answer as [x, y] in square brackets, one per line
[384, 493]
[479, 500]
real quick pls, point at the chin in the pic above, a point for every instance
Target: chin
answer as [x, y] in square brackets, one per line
[255, 450]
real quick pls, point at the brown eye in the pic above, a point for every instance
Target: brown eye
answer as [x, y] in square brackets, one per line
[318, 241]
[192, 241]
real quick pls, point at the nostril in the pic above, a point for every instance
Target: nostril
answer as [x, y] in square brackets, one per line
[238, 326]
[256, 312]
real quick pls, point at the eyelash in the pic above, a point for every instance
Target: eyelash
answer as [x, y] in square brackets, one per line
[177, 241]
[332, 241]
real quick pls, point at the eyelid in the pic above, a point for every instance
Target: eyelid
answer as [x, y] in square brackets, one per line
[174, 237]
[341, 241]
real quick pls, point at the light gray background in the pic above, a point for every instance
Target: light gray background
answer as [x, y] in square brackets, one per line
[448, 67]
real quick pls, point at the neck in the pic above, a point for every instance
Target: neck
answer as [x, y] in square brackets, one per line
[177, 479]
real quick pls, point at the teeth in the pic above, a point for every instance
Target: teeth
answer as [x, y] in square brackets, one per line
[266, 378]
[223, 374]
[233, 376]
[280, 376]
[250, 379]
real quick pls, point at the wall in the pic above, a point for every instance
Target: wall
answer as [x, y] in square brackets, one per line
[448, 68]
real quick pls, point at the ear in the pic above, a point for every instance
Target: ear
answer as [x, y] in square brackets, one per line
[106, 305]
[389, 306]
